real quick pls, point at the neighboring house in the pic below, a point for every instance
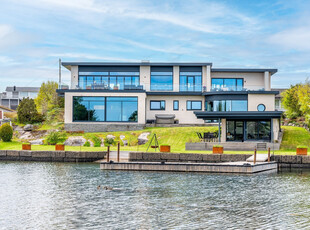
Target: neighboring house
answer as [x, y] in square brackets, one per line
[13, 95]
[126, 96]
[278, 100]
[2, 111]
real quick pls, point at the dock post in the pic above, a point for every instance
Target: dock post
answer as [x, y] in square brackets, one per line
[254, 156]
[268, 154]
[118, 150]
[108, 154]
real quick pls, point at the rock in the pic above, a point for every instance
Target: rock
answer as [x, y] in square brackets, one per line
[28, 127]
[110, 136]
[75, 141]
[37, 142]
[142, 139]
[122, 137]
[18, 129]
[26, 136]
[125, 142]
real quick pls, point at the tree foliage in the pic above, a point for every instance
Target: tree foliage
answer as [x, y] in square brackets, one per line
[296, 101]
[6, 132]
[27, 112]
[48, 98]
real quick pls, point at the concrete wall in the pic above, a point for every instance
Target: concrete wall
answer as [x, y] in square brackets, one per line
[253, 81]
[223, 130]
[184, 116]
[176, 78]
[54, 156]
[74, 76]
[275, 128]
[69, 105]
[145, 77]
[255, 99]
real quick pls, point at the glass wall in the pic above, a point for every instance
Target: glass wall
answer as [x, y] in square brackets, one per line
[227, 105]
[108, 80]
[161, 81]
[190, 81]
[227, 84]
[105, 109]
[193, 105]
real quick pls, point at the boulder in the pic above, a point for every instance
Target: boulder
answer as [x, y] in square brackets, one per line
[125, 142]
[110, 136]
[142, 139]
[122, 137]
[18, 128]
[28, 127]
[26, 136]
[75, 141]
[37, 142]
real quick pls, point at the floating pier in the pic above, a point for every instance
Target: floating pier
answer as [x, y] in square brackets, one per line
[227, 167]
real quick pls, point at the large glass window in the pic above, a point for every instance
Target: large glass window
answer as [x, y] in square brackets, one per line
[161, 81]
[105, 109]
[109, 80]
[157, 105]
[227, 84]
[190, 81]
[227, 105]
[193, 105]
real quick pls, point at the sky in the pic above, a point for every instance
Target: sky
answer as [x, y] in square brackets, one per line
[34, 34]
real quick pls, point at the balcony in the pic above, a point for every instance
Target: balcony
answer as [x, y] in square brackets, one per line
[238, 88]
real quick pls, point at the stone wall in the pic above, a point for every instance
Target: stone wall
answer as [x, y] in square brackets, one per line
[285, 161]
[97, 127]
[50, 156]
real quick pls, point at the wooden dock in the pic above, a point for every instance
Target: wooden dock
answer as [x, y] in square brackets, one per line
[227, 167]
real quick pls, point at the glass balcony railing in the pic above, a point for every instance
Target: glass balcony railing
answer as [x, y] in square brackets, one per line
[238, 88]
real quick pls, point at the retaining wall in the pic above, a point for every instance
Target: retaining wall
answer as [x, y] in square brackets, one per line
[92, 127]
[285, 161]
[50, 156]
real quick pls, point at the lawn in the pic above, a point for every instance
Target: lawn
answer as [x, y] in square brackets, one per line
[176, 137]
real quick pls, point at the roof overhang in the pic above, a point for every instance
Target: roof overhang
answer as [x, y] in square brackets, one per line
[239, 92]
[234, 70]
[246, 115]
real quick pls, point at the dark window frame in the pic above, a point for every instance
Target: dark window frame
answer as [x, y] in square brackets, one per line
[261, 110]
[178, 105]
[223, 78]
[194, 84]
[157, 74]
[191, 103]
[160, 101]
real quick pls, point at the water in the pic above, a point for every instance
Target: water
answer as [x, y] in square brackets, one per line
[65, 196]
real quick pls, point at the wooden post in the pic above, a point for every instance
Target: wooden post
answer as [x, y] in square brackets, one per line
[118, 150]
[268, 154]
[108, 154]
[254, 156]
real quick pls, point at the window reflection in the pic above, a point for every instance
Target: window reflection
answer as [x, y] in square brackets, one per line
[227, 105]
[227, 84]
[161, 81]
[190, 81]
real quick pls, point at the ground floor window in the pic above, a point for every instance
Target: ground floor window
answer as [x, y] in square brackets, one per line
[105, 109]
[157, 105]
[193, 105]
[248, 130]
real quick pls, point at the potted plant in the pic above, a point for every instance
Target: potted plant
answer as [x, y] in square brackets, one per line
[115, 87]
[88, 87]
[301, 150]
[60, 146]
[26, 146]
[165, 148]
[218, 149]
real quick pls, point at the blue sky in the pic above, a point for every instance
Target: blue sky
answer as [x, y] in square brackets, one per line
[252, 34]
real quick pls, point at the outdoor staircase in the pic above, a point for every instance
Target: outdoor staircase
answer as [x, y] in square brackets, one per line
[261, 146]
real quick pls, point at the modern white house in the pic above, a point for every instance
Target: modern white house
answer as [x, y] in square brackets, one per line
[12, 95]
[106, 96]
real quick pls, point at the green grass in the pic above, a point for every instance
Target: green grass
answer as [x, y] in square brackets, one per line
[176, 137]
[294, 136]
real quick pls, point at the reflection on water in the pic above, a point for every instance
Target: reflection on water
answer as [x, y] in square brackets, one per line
[66, 196]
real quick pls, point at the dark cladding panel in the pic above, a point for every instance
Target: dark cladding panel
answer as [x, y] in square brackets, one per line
[161, 69]
[109, 68]
[190, 69]
[227, 97]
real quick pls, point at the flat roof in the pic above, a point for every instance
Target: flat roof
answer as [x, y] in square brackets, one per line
[246, 70]
[22, 89]
[246, 115]
[69, 64]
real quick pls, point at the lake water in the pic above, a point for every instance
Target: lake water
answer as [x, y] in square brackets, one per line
[65, 196]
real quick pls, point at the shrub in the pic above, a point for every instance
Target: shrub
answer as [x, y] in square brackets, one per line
[54, 137]
[87, 144]
[97, 141]
[27, 112]
[6, 132]
[302, 146]
[217, 146]
[109, 141]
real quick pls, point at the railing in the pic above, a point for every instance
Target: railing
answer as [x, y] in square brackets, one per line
[237, 88]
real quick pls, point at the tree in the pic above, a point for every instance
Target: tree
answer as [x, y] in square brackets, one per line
[304, 99]
[27, 112]
[47, 98]
[290, 102]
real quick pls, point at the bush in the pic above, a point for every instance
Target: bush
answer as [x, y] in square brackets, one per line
[27, 112]
[109, 142]
[87, 144]
[97, 141]
[6, 132]
[54, 137]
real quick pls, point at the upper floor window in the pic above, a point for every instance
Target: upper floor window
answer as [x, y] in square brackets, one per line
[190, 81]
[161, 78]
[108, 80]
[194, 105]
[227, 105]
[157, 105]
[227, 84]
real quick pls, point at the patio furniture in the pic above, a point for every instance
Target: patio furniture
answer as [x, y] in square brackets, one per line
[164, 118]
[200, 136]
